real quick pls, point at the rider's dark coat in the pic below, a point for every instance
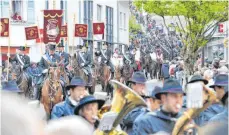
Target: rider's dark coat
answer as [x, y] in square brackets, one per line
[65, 56]
[106, 58]
[53, 60]
[86, 59]
[154, 122]
[23, 58]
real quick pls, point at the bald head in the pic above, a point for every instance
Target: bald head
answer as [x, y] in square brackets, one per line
[70, 125]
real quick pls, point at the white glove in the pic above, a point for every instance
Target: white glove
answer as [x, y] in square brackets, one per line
[82, 64]
[21, 67]
[105, 61]
[45, 71]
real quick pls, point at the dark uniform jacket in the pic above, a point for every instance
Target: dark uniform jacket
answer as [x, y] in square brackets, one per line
[154, 122]
[106, 56]
[47, 61]
[22, 60]
[129, 119]
[65, 56]
[86, 59]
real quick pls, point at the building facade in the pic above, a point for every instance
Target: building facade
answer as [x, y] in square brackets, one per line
[25, 13]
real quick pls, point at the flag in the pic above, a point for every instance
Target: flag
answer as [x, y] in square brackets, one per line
[31, 33]
[4, 27]
[98, 28]
[52, 25]
[40, 38]
[64, 31]
[80, 30]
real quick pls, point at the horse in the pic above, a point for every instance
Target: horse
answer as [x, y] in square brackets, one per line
[126, 72]
[105, 78]
[78, 71]
[51, 92]
[23, 80]
[150, 65]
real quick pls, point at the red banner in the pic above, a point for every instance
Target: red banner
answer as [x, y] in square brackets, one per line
[31, 33]
[80, 30]
[98, 28]
[52, 25]
[40, 37]
[64, 31]
[4, 27]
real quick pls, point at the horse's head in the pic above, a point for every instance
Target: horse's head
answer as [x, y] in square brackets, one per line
[54, 73]
[16, 70]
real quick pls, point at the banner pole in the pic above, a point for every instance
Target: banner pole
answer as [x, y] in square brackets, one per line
[8, 53]
[92, 38]
[39, 36]
[73, 40]
[54, 4]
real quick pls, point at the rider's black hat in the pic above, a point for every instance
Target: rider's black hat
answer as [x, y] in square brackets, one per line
[52, 47]
[22, 48]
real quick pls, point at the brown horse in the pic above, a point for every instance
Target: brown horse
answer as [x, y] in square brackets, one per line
[51, 92]
[23, 80]
[117, 73]
[105, 78]
[126, 72]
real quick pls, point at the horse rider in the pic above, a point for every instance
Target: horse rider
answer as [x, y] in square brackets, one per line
[159, 57]
[106, 58]
[84, 61]
[163, 119]
[63, 55]
[88, 109]
[132, 58]
[36, 74]
[49, 59]
[21, 58]
[138, 84]
[77, 89]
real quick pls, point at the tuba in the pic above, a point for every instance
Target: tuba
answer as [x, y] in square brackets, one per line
[188, 115]
[124, 100]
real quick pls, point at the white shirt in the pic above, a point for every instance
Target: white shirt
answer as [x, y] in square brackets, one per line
[73, 101]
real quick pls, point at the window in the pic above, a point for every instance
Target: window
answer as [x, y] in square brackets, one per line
[124, 18]
[46, 4]
[30, 12]
[4, 5]
[99, 13]
[120, 20]
[17, 10]
[88, 16]
[63, 6]
[109, 24]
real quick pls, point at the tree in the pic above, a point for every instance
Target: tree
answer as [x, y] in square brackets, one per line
[133, 26]
[196, 21]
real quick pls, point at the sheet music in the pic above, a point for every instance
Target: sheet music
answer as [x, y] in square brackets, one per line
[195, 95]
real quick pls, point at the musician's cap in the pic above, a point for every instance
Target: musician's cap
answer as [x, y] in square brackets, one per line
[220, 80]
[138, 77]
[197, 78]
[170, 86]
[22, 48]
[10, 86]
[76, 81]
[87, 100]
[52, 47]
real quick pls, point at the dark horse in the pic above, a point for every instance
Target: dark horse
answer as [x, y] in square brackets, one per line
[77, 71]
[126, 72]
[149, 66]
[23, 80]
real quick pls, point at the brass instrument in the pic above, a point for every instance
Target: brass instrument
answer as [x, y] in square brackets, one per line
[124, 100]
[193, 112]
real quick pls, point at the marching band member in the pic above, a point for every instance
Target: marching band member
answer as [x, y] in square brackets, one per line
[211, 111]
[221, 88]
[77, 89]
[21, 58]
[164, 118]
[137, 83]
[88, 109]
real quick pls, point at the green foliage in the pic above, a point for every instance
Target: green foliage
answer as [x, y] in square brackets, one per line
[133, 26]
[201, 18]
